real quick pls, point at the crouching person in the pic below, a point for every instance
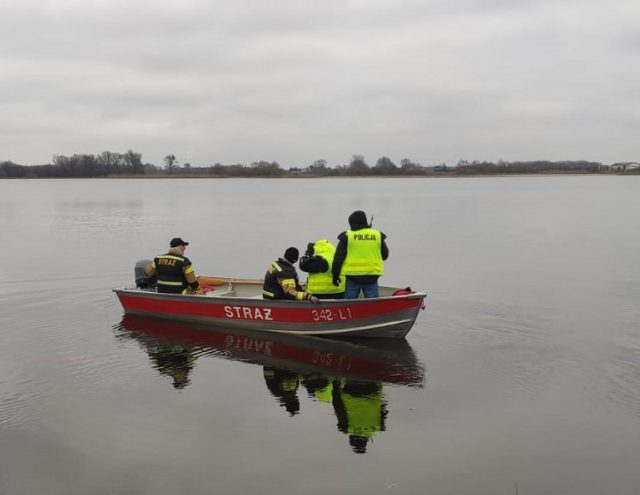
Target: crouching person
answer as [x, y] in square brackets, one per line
[318, 263]
[281, 280]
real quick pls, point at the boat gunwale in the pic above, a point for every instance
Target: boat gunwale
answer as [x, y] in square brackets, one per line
[260, 301]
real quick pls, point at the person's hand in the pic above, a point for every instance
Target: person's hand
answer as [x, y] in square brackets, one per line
[336, 280]
[313, 299]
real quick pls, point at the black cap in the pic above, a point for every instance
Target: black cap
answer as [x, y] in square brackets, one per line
[176, 241]
[291, 255]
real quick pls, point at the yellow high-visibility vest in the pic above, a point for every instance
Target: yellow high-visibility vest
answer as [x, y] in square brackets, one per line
[322, 283]
[364, 414]
[325, 394]
[364, 256]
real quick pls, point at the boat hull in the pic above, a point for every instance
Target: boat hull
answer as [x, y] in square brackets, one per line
[388, 317]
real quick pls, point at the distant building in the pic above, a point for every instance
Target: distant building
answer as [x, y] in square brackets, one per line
[624, 166]
[295, 171]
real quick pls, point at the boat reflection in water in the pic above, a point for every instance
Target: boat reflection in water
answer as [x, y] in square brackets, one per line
[348, 375]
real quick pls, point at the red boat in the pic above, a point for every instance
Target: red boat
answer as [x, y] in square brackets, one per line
[238, 303]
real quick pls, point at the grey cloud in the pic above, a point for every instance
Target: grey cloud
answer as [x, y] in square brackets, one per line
[434, 80]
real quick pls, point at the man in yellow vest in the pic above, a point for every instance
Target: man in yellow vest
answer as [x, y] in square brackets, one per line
[317, 262]
[359, 257]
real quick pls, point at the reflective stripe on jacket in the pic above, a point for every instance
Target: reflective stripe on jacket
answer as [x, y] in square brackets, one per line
[281, 282]
[171, 270]
[364, 256]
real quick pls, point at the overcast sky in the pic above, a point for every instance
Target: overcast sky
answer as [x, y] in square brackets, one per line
[293, 81]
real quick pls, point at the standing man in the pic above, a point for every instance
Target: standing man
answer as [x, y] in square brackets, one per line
[174, 271]
[359, 257]
[317, 262]
[281, 280]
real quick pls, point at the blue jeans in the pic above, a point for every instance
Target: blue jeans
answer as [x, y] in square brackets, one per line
[352, 289]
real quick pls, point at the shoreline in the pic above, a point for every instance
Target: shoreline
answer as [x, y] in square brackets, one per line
[311, 177]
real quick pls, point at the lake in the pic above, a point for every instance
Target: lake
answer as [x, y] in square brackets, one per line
[522, 374]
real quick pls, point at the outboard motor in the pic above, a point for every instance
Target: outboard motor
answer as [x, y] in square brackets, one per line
[143, 281]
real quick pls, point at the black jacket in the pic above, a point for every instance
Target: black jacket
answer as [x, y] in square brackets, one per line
[171, 270]
[272, 285]
[313, 264]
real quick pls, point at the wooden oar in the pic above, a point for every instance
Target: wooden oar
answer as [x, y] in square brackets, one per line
[218, 281]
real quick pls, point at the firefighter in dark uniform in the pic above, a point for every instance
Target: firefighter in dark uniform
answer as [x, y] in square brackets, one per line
[174, 360]
[283, 385]
[281, 280]
[174, 271]
[317, 262]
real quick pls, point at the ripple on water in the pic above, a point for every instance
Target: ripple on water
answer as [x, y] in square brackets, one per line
[527, 350]
[23, 395]
[15, 412]
[61, 343]
[623, 378]
[540, 351]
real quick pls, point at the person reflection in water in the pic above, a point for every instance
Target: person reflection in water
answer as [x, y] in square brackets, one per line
[174, 361]
[359, 406]
[319, 387]
[361, 411]
[283, 385]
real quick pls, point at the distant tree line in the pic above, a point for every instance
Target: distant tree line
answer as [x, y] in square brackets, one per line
[111, 164]
[537, 166]
[105, 164]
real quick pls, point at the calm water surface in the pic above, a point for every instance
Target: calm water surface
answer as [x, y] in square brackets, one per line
[525, 367]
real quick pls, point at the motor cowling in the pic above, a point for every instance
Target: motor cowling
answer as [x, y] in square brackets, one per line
[143, 281]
